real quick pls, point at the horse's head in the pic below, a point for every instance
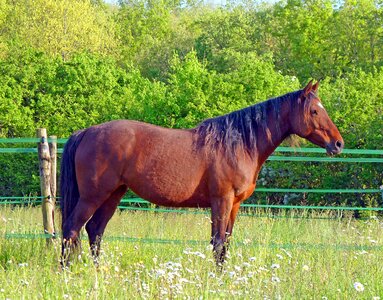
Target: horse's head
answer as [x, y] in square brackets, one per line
[310, 120]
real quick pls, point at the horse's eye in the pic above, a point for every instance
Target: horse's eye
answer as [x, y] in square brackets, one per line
[314, 112]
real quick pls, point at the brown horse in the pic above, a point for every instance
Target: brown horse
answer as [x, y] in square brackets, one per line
[215, 164]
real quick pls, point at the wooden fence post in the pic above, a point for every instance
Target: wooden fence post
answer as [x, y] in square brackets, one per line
[45, 179]
[53, 154]
[53, 177]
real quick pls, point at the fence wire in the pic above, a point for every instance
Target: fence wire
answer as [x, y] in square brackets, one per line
[136, 203]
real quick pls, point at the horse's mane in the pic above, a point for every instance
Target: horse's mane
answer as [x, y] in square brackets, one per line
[237, 131]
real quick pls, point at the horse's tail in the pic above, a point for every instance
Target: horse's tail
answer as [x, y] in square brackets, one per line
[68, 182]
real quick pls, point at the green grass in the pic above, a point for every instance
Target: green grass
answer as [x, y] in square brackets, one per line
[270, 258]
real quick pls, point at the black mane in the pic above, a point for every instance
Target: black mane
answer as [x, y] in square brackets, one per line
[238, 129]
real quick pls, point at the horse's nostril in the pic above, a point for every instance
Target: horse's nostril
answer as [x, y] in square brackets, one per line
[339, 144]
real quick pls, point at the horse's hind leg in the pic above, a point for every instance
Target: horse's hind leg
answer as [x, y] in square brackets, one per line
[96, 225]
[72, 226]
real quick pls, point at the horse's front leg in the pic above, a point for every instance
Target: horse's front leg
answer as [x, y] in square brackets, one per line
[230, 225]
[220, 216]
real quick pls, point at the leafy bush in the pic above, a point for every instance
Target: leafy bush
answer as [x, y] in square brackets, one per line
[136, 61]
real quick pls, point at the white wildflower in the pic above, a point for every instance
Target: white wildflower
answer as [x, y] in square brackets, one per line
[275, 279]
[358, 287]
[187, 251]
[305, 268]
[231, 274]
[199, 254]
[279, 256]
[241, 280]
[211, 275]
[163, 291]
[275, 266]
[159, 273]
[24, 282]
[145, 286]
[22, 265]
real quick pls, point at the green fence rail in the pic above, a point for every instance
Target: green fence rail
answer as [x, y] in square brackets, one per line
[277, 157]
[29, 140]
[302, 246]
[138, 204]
[134, 204]
[271, 158]
[279, 149]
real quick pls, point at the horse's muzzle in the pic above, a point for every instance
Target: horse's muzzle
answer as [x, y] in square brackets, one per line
[335, 148]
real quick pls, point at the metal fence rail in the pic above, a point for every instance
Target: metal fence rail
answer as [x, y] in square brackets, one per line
[278, 156]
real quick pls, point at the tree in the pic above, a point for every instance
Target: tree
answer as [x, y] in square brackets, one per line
[3, 15]
[358, 35]
[60, 27]
[302, 38]
[223, 30]
[151, 31]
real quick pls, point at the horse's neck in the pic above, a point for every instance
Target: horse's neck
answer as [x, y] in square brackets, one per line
[276, 132]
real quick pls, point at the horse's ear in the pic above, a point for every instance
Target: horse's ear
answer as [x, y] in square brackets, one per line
[308, 88]
[315, 87]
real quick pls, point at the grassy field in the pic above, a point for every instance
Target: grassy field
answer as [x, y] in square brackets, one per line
[270, 258]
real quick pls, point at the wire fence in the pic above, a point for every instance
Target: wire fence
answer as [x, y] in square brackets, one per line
[272, 245]
[138, 204]
[276, 157]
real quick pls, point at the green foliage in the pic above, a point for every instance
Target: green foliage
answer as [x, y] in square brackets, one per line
[67, 65]
[190, 90]
[151, 31]
[355, 104]
[60, 27]
[19, 175]
[64, 96]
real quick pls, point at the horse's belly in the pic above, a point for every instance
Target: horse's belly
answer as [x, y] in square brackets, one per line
[178, 202]
[171, 192]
